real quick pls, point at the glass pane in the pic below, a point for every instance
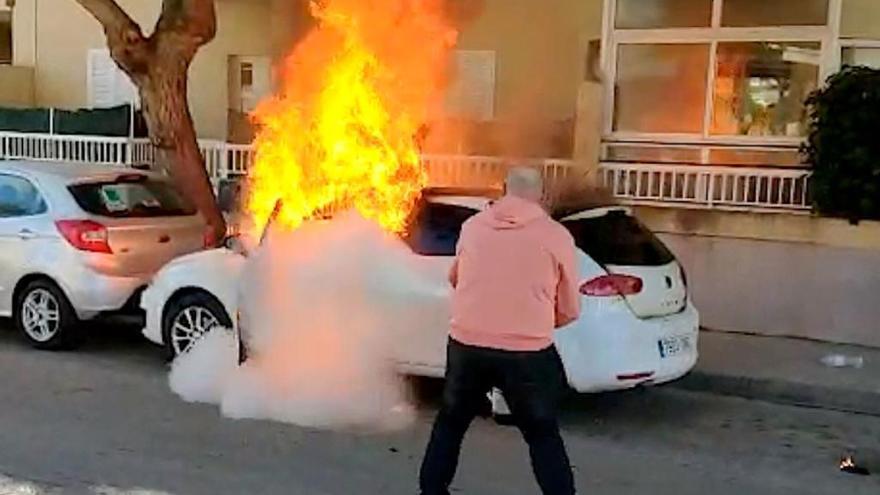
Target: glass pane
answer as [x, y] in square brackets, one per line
[646, 14]
[753, 158]
[436, 229]
[760, 88]
[618, 239]
[661, 88]
[653, 154]
[869, 57]
[136, 197]
[19, 198]
[750, 13]
[5, 37]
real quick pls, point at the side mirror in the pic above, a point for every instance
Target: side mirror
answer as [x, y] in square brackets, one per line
[235, 244]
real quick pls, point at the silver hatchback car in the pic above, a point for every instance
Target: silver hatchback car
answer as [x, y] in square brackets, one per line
[78, 241]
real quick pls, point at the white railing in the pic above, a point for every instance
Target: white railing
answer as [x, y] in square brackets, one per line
[743, 188]
[703, 186]
[78, 149]
[485, 171]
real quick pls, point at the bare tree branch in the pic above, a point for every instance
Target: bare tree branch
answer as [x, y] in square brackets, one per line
[195, 18]
[109, 14]
[125, 39]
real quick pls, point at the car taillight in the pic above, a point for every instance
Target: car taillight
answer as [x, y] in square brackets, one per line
[612, 285]
[209, 240]
[85, 235]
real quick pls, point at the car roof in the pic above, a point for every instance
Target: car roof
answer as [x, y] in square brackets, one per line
[67, 171]
[475, 198]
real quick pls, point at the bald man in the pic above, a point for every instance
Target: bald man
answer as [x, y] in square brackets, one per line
[515, 281]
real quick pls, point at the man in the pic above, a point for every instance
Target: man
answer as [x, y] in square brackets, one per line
[515, 281]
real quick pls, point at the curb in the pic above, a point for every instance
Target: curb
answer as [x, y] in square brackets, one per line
[783, 392]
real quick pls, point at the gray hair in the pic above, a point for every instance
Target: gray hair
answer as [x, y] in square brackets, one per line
[525, 182]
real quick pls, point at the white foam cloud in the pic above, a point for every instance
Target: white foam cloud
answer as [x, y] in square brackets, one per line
[326, 309]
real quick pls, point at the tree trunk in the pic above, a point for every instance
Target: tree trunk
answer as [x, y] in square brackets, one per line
[159, 65]
[164, 100]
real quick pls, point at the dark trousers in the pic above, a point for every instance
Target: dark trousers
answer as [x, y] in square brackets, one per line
[531, 383]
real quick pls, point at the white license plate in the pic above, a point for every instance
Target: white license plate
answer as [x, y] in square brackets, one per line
[673, 346]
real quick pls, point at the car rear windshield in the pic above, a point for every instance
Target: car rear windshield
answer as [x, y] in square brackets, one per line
[436, 228]
[136, 196]
[618, 239]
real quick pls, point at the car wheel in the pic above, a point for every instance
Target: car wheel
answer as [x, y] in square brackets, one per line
[45, 317]
[188, 318]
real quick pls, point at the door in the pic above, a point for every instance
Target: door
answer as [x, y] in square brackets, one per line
[23, 219]
[251, 82]
[424, 299]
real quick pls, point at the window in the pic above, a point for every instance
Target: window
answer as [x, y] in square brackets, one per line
[5, 36]
[755, 13]
[760, 88]
[247, 74]
[661, 88]
[868, 56]
[699, 81]
[436, 228]
[643, 14]
[134, 196]
[618, 239]
[108, 86]
[471, 94]
[19, 198]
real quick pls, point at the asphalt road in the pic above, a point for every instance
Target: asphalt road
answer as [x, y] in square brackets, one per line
[103, 421]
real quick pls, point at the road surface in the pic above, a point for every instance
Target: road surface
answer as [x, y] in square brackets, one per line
[103, 421]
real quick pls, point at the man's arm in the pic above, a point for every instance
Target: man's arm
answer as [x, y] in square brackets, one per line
[453, 272]
[568, 297]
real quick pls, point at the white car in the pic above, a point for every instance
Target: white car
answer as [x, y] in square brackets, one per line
[77, 241]
[638, 326]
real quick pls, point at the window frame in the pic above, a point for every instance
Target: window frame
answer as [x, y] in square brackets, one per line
[8, 13]
[43, 199]
[827, 36]
[867, 43]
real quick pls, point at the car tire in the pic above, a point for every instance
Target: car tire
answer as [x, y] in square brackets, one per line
[45, 317]
[194, 312]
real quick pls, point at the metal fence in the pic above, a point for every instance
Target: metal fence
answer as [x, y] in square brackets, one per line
[709, 186]
[694, 186]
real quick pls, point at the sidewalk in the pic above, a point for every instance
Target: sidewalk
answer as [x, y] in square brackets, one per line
[785, 370]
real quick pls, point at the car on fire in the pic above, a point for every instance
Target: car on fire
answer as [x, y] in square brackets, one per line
[638, 325]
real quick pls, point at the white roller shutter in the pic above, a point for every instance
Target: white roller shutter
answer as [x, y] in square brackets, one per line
[471, 94]
[108, 86]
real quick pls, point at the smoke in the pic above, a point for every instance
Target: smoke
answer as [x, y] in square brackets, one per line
[326, 309]
[542, 51]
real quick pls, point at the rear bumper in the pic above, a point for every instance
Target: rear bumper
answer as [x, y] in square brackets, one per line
[613, 350]
[152, 304]
[92, 293]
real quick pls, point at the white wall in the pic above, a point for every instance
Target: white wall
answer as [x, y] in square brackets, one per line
[780, 288]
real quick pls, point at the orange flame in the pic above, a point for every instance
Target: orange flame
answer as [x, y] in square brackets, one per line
[342, 131]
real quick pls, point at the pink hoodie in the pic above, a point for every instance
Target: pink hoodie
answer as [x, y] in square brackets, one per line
[515, 278]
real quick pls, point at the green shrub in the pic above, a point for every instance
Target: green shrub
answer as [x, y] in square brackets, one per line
[844, 145]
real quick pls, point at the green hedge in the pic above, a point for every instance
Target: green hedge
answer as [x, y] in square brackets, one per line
[98, 122]
[844, 145]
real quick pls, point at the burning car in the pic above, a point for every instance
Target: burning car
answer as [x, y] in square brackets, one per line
[638, 325]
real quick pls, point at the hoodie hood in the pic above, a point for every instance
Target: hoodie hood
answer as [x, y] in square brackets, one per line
[511, 212]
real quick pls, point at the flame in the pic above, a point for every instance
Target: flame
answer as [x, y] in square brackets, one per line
[342, 131]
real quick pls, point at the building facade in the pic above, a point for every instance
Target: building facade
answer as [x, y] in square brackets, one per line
[690, 110]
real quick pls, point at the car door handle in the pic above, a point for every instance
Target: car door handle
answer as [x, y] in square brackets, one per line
[26, 234]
